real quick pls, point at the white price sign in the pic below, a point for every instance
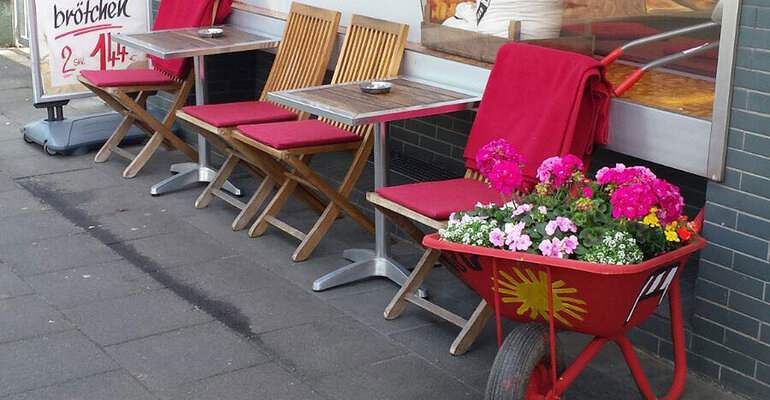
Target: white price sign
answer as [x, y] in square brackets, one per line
[68, 36]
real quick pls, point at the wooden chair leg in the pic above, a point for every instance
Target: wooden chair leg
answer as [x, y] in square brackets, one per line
[162, 128]
[252, 207]
[268, 165]
[339, 199]
[120, 132]
[224, 172]
[413, 282]
[316, 233]
[273, 208]
[472, 329]
[144, 155]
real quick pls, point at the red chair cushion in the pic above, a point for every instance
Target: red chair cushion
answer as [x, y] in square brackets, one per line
[294, 134]
[439, 199]
[241, 113]
[126, 77]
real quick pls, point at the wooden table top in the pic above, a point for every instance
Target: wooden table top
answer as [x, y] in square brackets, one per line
[346, 103]
[178, 43]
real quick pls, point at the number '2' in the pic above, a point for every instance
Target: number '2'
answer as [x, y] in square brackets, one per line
[66, 54]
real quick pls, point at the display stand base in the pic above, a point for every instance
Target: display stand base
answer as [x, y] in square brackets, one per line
[59, 135]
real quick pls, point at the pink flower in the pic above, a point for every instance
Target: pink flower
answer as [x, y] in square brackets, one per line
[522, 243]
[522, 209]
[497, 237]
[588, 192]
[453, 218]
[543, 210]
[570, 243]
[546, 247]
[562, 223]
[545, 168]
[514, 230]
[620, 175]
[558, 170]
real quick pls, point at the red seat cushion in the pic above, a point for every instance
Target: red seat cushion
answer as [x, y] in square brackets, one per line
[294, 134]
[438, 199]
[126, 77]
[241, 113]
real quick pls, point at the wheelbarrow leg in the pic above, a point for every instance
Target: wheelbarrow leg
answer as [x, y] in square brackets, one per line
[680, 358]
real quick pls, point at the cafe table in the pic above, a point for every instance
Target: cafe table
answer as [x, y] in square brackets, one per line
[408, 98]
[185, 42]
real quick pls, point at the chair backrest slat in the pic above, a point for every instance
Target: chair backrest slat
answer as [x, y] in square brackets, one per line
[304, 51]
[372, 49]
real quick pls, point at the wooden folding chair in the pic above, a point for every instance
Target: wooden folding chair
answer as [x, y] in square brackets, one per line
[372, 49]
[472, 188]
[301, 61]
[127, 90]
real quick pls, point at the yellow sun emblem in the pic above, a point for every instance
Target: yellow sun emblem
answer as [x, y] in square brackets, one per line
[530, 291]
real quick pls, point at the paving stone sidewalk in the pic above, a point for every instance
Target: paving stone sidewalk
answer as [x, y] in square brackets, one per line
[109, 293]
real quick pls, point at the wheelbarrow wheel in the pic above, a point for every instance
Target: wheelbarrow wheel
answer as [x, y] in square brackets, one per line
[522, 368]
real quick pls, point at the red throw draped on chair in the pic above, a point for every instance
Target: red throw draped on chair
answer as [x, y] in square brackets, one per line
[185, 14]
[545, 102]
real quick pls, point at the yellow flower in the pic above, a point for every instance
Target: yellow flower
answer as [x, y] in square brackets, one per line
[651, 219]
[671, 236]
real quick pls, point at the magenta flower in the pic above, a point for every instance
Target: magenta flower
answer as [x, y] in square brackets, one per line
[494, 151]
[505, 177]
[501, 165]
[634, 201]
[588, 192]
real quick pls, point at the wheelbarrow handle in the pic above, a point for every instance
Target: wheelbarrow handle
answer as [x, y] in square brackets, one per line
[627, 83]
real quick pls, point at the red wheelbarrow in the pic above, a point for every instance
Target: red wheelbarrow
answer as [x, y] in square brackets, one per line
[553, 294]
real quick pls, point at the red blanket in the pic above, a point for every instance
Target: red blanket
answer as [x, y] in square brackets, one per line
[185, 14]
[545, 102]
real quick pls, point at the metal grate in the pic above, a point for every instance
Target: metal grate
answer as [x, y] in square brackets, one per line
[418, 170]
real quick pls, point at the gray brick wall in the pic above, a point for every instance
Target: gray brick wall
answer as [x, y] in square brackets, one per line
[731, 325]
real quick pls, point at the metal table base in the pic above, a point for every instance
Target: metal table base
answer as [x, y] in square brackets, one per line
[187, 174]
[200, 172]
[368, 263]
[365, 264]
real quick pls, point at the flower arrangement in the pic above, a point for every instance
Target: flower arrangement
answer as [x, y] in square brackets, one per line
[623, 216]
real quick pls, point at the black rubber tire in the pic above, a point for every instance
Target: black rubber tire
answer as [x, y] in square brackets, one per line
[524, 348]
[49, 151]
[27, 139]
